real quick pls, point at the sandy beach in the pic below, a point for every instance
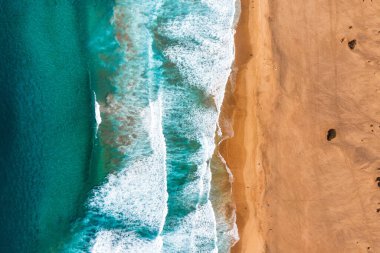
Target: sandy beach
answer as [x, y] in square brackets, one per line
[304, 103]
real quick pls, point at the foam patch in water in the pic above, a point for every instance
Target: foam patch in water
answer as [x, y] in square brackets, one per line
[130, 207]
[137, 195]
[204, 51]
[98, 118]
[196, 233]
[124, 242]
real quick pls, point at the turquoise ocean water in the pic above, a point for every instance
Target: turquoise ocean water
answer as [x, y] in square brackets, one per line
[109, 114]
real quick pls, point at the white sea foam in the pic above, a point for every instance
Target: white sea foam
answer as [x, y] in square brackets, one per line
[137, 195]
[133, 199]
[194, 233]
[98, 118]
[203, 52]
[225, 209]
[118, 241]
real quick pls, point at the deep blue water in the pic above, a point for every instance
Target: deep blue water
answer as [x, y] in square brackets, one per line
[47, 122]
[141, 180]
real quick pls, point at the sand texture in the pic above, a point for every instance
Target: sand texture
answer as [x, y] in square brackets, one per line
[302, 68]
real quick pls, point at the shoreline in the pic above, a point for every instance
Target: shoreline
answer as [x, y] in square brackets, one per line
[240, 149]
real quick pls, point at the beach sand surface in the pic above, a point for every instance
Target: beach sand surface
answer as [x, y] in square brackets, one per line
[303, 68]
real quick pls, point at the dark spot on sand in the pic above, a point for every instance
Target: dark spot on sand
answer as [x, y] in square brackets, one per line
[378, 210]
[350, 27]
[341, 40]
[371, 125]
[331, 134]
[352, 44]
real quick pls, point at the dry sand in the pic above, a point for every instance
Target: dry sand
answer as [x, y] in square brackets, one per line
[296, 78]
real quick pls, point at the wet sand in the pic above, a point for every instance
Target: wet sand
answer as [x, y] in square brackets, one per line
[302, 68]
